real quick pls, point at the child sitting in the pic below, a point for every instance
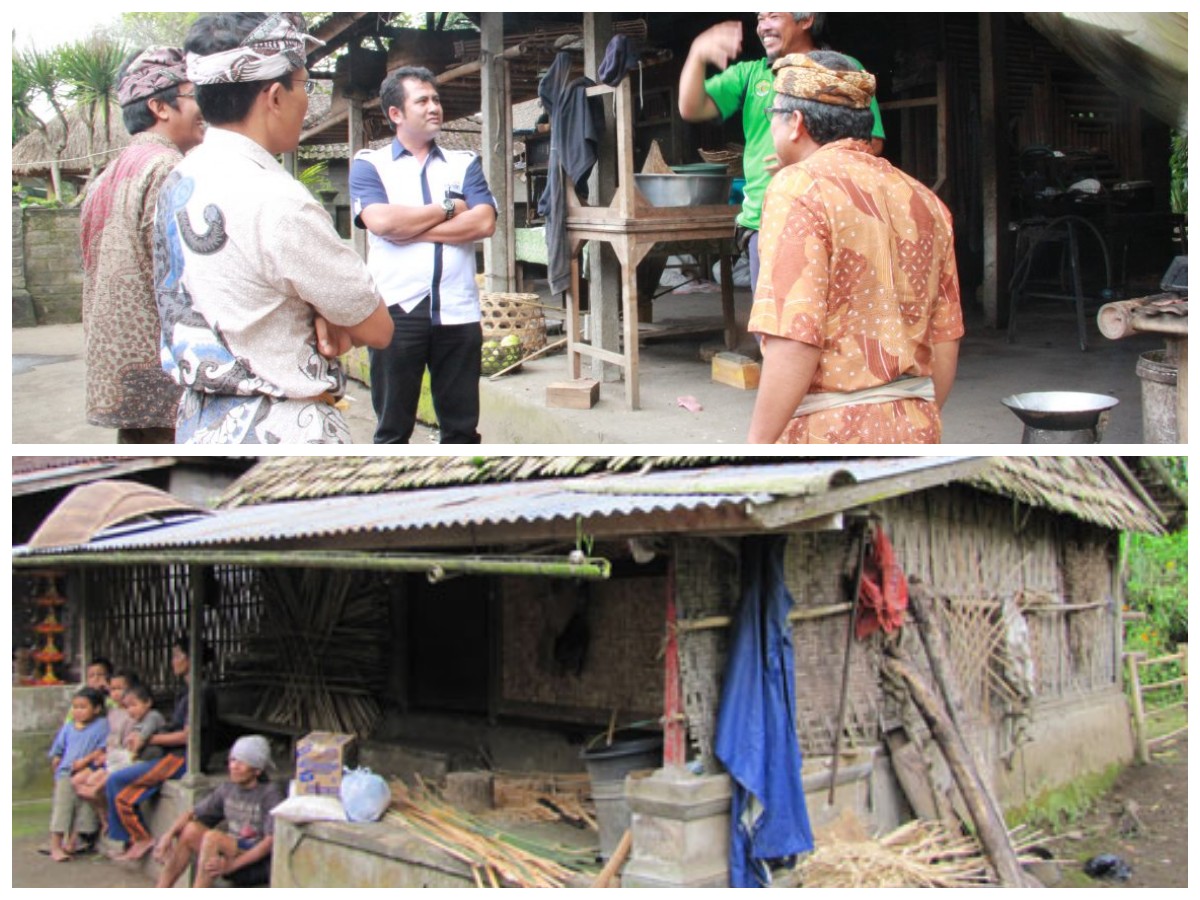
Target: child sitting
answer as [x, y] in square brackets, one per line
[147, 722]
[85, 733]
[114, 756]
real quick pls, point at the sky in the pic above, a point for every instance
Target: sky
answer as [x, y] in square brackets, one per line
[48, 26]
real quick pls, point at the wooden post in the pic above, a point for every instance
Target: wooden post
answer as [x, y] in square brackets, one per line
[497, 160]
[994, 166]
[674, 733]
[604, 270]
[357, 140]
[993, 834]
[196, 601]
[1139, 711]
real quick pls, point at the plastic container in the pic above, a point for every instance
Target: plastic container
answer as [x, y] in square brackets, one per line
[608, 765]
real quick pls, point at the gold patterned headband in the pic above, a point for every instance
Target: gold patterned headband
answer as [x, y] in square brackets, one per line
[798, 76]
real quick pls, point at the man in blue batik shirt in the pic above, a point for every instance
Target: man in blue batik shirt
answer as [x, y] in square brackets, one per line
[424, 207]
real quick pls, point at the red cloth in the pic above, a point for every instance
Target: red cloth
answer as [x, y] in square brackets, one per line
[883, 591]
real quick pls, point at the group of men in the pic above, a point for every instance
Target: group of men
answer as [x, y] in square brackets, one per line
[217, 294]
[227, 264]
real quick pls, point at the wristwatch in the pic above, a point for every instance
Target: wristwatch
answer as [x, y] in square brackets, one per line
[448, 206]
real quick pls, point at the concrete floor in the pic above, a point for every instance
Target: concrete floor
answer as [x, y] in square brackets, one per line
[48, 386]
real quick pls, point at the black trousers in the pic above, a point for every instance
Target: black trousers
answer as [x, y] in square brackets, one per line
[452, 353]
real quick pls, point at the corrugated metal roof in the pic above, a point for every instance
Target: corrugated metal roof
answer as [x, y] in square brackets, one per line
[599, 496]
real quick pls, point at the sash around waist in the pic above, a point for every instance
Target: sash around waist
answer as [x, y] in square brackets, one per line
[906, 388]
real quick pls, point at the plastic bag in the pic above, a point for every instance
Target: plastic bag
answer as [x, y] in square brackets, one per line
[365, 795]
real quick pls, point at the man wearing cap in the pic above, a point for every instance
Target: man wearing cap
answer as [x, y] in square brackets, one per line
[746, 86]
[858, 298]
[257, 293]
[126, 386]
[240, 850]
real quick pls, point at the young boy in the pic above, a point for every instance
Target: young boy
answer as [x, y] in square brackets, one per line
[84, 734]
[89, 781]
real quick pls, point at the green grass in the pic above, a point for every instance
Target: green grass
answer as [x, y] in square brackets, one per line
[1057, 809]
[31, 818]
[1158, 724]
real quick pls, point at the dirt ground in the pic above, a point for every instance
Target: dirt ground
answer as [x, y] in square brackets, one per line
[1143, 820]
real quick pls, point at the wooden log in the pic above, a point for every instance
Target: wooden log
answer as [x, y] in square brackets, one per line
[993, 834]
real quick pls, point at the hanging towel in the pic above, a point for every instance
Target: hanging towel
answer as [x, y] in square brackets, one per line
[576, 129]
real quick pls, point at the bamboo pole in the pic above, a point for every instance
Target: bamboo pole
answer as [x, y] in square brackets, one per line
[591, 568]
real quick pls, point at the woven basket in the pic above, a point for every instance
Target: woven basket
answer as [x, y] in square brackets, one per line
[730, 158]
[519, 314]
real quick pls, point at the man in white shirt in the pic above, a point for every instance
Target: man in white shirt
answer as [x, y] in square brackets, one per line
[425, 207]
[256, 292]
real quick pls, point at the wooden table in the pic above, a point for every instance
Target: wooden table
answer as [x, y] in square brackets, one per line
[633, 226]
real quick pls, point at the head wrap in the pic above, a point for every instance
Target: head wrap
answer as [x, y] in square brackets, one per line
[277, 46]
[253, 750]
[798, 76]
[151, 71]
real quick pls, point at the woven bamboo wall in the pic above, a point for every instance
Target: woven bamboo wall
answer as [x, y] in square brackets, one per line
[621, 666]
[972, 551]
[134, 613]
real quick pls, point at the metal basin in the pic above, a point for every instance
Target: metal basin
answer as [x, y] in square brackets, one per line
[1059, 410]
[684, 190]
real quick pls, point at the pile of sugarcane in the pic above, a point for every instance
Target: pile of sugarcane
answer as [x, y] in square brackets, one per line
[320, 652]
[496, 858]
[918, 854]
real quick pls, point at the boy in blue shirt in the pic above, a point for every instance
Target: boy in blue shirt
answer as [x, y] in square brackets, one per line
[86, 733]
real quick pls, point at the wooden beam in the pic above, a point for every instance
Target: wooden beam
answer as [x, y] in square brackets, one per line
[994, 166]
[604, 270]
[496, 141]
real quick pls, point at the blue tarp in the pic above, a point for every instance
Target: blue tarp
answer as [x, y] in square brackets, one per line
[756, 732]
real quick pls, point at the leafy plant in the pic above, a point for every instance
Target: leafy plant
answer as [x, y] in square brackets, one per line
[1179, 173]
[316, 178]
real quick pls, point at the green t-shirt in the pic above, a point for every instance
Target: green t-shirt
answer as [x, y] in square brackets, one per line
[747, 85]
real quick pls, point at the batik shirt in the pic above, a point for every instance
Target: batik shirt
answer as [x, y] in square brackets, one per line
[126, 386]
[244, 258]
[858, 259]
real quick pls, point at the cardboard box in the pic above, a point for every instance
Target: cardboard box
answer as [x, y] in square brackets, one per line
[320, 758]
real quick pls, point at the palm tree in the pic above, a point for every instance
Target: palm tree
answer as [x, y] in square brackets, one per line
[90, 70]
[39, 72]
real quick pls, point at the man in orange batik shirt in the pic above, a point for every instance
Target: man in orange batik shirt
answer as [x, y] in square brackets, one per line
[858, 299]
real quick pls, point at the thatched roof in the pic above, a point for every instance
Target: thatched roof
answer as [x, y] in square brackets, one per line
[31, 155]
[1094, 489]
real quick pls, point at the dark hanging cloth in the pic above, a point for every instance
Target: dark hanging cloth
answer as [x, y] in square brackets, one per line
[620, 58]
[756, 723]
[576, 129]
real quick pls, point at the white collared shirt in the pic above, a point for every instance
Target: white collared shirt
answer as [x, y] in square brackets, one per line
[408, 273]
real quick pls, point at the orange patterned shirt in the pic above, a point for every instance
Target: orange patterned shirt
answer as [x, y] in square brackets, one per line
[858, 259]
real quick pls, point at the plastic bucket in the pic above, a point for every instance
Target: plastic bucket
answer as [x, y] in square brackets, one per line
[608, 765]
[1159, 379]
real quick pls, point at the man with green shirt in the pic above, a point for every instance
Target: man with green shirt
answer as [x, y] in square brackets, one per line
[747, 86]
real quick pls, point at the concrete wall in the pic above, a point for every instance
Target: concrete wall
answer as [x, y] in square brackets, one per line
[37, 714]
[22, 302]
[53, 265]
[1070, 737]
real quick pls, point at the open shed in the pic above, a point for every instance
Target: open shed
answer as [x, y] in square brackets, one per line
[468, 614]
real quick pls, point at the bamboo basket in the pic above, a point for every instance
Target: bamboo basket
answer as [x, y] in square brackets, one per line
[519, 314]
[729, 157]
